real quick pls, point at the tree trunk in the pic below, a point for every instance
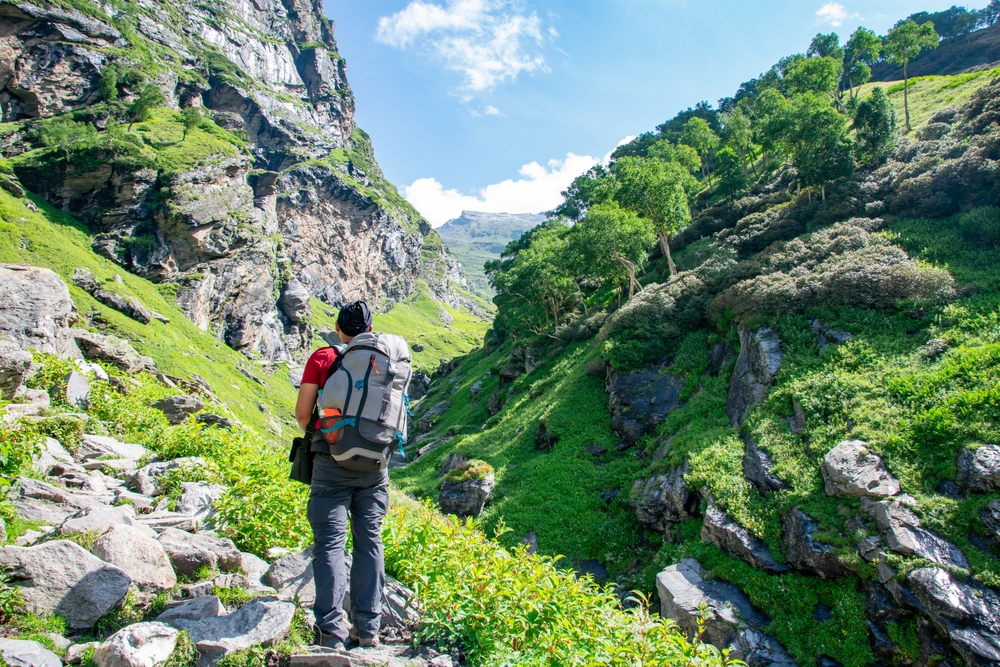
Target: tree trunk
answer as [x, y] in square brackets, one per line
[631, 283]
[665, 248]
[822, 189]
[906, 97]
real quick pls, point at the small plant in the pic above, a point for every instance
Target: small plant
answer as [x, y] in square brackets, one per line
[86, 538]
[470, 470]
[234, 598]
[982, 223]
[185, 652]
[11, 603]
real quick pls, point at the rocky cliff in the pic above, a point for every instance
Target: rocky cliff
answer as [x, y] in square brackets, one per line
[265, 195]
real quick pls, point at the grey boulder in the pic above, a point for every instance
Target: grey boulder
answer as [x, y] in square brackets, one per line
[99, 519]
[638, 401]
[664, 500]
[262, 621]
[805, 553]
[253, 567]
[51, 454]
[967, 612]
[140, 556]
[177, 408]
[198, 499]
[292, 576]
[15, 368]
[196, 609]
[36, 310]
[146, 479]
[127, 305]
[756, 370]
[758, 468]
[189, 552]
[98, 446]
[850, 469]
[904, 535]
[77, 390]
[112, 350]
[735, 540]
[20, 653]
[63, 578]
[466, 498]
[138, 645]
[979, 470]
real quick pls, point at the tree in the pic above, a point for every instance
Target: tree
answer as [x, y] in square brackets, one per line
[815, 75]
[191, 118]
[655, 189]
[826, 46]
[773, 122]
[108, 85]
[903, 44]
[738, 132]
[863, 48]
[142, 107]
[730, 171]
[63, 134]
[594, 187]
[876, 126]
[682, 154]
[699, 136]
[614, 244]
[822, 147]
[989, 14]
[949, 23]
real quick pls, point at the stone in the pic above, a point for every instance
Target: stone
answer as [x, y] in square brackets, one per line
[805, 553]
[20, 653]
[979, 469]
[292, 576]
[177, 408]
[77, 390]
[253, 567]
[756, 370]
[209, 419]
[63, 578]
[545, 441]
[664, 500]
[718, 357]
[261, 621]
[189, 553]
[466, 498]
[991, 519]
[197, 609]
[904, 535]
[98, 446]
[735, 540]
[432, 417]
[140, 556]
[160, 521]
[138, 645]
[198, 499]
[294, 302]
[685, 596]
[495, 403]
[639, 401]
[530, 540]
[98, 519]
[420, 384]
[51, 454]
[145, 480]
[966, 611]
[36, 310]
[758, 468]
[76, 652]
[850, 469]
[476, 388]
[15, 368]
[110, 349]
[127, 305]
[825, 336]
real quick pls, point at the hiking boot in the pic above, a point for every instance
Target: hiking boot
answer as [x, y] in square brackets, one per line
[327, 640]
[364, 642]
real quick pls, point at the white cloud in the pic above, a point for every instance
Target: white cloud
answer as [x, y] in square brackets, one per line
[834, 13]
[537, 190]
[493, 111]
[487, 41]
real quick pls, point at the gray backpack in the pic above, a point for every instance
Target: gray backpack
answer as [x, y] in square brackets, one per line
[368, 388]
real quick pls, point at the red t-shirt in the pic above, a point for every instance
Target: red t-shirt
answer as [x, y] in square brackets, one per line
[318, 367]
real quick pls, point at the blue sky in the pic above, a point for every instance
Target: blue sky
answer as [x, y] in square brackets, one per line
[497, 104]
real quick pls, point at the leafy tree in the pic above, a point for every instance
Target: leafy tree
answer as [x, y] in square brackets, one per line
[773, 122]
[191, 118]
[738, 132]
[730, 171]
[673, 129]
[699, 136]
[533, 284]
[613, 243]
[63, 134]
[108, 85]
[591, 188]
[903, 44]
[863, 48]
[950, 23]
[683, 154]
[826, 46]
[989, 14]
[655, 189]
[876, 126]
[822, 148]
[638, 147]
[815, 75]
[142, 107]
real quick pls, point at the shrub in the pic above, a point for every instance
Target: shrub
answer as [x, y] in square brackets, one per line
[19, 443]
[469, 470]
[11, 603]
[982, 223]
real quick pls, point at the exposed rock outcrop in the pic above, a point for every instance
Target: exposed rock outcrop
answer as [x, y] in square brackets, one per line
[664, 500]
[756, 370]
[36, 310]
[850, 469]
[807, 554]
[719, 529]
[758, 468]
[639, 401]
[904, 535]
[979, 469]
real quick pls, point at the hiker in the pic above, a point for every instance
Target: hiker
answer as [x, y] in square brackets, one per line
[349, 469]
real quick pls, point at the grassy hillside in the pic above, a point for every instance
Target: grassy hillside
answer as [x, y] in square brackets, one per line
[929, 94]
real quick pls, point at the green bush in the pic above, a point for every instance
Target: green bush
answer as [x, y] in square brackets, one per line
[468, 471]
[982, 223]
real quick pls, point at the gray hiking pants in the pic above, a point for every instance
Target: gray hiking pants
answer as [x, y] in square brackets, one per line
[329, 506]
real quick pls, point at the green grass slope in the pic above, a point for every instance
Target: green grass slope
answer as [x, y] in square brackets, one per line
[929, 94]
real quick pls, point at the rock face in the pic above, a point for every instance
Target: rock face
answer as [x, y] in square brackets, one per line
[15, 368]
[139, 645]
[126, 305]
[734, 539]
[664, 500]
[806, 554]
[140, 556]
[756, 369]
[62, 578]
[19, 653]
[342, 231]
[177, 408]
[979, 470]
[904, 535]
[849, 469]
[639, 401]
[466, 498]
[758, 468]
[36, 310]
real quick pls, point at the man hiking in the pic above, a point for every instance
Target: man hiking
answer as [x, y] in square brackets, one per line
[361, 389]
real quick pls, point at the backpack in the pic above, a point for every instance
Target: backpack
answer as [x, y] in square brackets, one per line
[301, 455]
[363, 406]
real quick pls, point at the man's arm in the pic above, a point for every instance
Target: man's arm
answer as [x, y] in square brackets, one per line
[305, 404]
